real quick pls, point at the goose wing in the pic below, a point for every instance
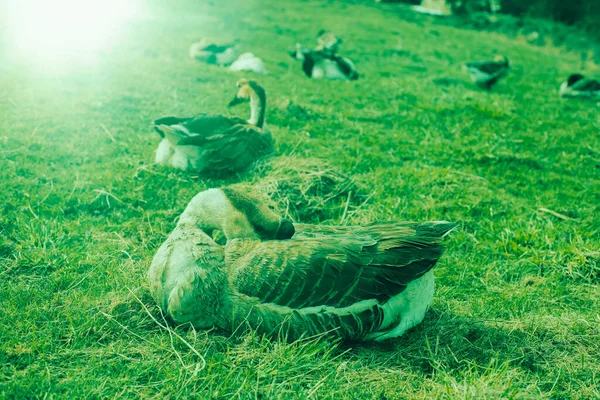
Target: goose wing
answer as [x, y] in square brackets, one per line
[587, 85]
[215, 48]
[347, 67]
[487, 67]
[199, 125]
[169, 121]
[338, 267]
[308, 63]
[330, 280]
[234, 148]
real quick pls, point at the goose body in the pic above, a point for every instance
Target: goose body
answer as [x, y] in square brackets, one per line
[249, 62]
[212, 53]
[486, 74]
[370, 282]
[321, 64]
[208, 143]
[579, 86]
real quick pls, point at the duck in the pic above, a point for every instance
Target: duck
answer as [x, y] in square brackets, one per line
[486, 74]
[358, 283]
[213, 53]
[579, 86]
[215, 144]
[249, 62]
[322, 64]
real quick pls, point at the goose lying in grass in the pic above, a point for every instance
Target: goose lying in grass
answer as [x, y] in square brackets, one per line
[249, 62]
[579, 86]
[369, 282]
[208, 143]
[212, 53]
[486, 74]
[321, 64]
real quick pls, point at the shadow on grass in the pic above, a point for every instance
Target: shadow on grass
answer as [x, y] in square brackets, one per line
[445, 342]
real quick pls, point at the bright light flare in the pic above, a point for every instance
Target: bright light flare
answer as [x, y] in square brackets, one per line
[65, 31]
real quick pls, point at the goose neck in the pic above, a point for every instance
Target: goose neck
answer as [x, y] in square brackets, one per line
[258, 107]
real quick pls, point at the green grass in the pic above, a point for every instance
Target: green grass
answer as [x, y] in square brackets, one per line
[81, 215]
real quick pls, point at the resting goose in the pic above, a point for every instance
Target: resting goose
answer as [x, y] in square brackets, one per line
[486, 74]
[579, 86]
[369, 282]
[321, 64]
[212, 53]
[208, 143]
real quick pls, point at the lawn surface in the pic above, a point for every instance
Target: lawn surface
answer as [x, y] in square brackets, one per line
[83, 210]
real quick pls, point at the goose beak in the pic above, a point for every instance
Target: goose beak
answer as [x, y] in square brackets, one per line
[235, 101]
[286, 230]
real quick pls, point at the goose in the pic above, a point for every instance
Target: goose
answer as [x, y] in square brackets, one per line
[579, 86]
[249, 62]
[321, 64]
[212, 53]
[486, 74]
[208, 143]
[371, 282]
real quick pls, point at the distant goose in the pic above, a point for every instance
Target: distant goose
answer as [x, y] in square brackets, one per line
[249, 62]
[579, 86]
[321, 64]
[371, 282]
[212, 53]
[208, 143]
[486, 74]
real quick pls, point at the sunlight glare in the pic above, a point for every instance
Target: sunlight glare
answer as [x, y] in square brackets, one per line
[65, 31]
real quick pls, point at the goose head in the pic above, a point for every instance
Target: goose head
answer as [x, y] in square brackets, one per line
[251, 91]
[236, 213]
[501, 59]
[328, 40]
[574, 78]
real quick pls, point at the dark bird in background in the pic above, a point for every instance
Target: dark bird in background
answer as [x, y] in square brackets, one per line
[486, 74]
[579, 86]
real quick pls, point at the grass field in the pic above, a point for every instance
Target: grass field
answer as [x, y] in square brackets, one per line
[83, 210]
